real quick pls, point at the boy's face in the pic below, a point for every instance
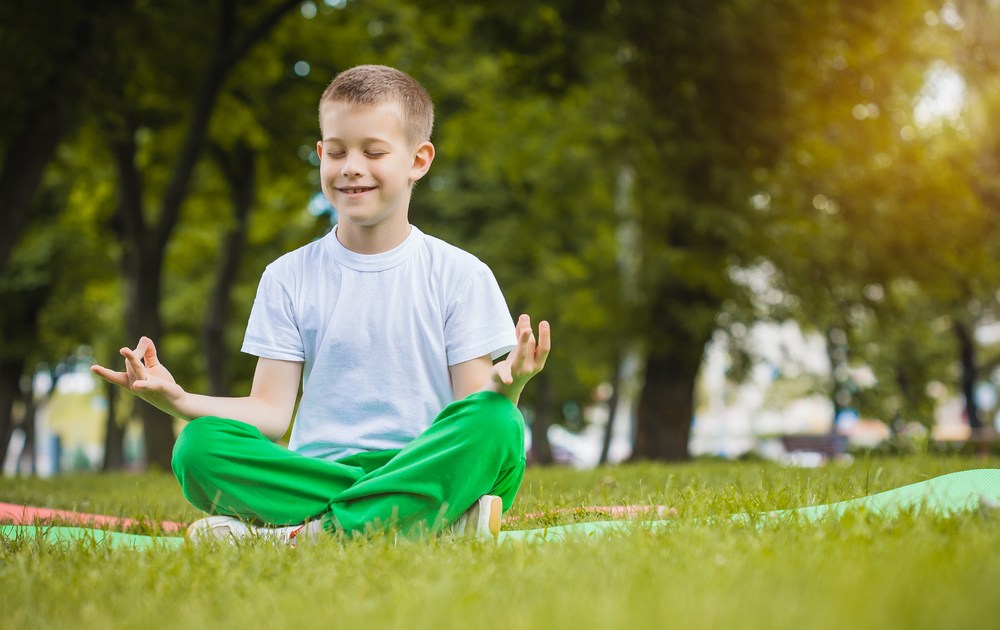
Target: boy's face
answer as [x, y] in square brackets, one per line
[367, 165]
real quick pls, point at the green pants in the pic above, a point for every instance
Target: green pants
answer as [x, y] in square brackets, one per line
[474, 447]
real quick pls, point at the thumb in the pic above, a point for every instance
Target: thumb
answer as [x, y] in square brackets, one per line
[504, 373]
[149, 353]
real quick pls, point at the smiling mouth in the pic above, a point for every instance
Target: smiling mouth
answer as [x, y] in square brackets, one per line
[354, 190]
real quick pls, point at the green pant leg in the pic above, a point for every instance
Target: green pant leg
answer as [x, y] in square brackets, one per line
[474, 447]
[229, 467]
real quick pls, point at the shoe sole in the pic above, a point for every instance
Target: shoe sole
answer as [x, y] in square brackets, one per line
[496, 514]
[490, 513]
[210, 527]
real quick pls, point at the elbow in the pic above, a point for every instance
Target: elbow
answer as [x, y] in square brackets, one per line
[275, 431]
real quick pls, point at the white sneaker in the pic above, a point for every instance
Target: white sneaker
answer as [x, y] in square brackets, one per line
[482, 520]
[233, 529]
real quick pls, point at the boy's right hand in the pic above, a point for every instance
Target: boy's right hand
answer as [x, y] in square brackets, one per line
[146, 377]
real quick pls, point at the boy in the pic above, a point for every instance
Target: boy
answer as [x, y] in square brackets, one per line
[388, 329]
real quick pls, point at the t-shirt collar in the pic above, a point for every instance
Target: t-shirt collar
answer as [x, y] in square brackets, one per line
[374, 262]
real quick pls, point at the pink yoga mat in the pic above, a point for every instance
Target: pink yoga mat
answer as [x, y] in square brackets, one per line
[614, 511]
[28, 515]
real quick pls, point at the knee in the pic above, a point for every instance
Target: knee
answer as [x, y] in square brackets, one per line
[499, 419]
[197, 442]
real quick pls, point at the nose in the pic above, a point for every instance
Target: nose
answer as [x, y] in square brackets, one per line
[351, 166]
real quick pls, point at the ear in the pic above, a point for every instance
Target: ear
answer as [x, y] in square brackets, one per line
[319, 150]
[422, 159]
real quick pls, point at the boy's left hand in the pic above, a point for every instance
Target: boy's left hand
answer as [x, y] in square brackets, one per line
[524, 361]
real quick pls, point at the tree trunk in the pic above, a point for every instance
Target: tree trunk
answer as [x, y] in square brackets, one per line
[65, 56]
[541, 450]
[10, 391]
[30, 451]
[967, 360]
[114, 434]
[666, 409]
[616, 383]
[142, 261]
[23, 165]
[836, 354]
[143, 317]
[239, 169]
[145, 242]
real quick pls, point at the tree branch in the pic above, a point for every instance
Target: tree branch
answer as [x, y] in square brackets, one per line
[23, 165]
[223, 60]
[130, 199]
[260, 30]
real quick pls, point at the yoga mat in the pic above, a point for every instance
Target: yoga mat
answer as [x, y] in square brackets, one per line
[27, 515]
[58, 535]
[17, 514]
[944, 495]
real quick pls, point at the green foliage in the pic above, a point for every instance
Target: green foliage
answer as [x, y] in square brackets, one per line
[880, 237]
[618, 165]
[62, 268]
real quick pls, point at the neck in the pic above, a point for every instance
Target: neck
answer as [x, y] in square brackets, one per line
[376, 239]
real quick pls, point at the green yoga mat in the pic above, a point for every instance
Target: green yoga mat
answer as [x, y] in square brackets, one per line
[947, 494]
[944, 495]
[59, 535]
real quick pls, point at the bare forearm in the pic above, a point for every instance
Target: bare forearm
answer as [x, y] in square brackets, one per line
[268, 407]
[271, 419]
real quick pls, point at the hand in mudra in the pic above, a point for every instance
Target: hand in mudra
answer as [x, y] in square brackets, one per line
[524, 361]
[145, 377]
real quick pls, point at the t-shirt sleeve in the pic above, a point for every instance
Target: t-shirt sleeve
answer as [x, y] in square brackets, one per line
[478, 321]
[272, 331]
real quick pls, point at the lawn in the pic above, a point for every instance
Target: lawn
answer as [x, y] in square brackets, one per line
[914, 571]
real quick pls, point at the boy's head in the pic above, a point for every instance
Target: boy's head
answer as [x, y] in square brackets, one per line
[373, 86]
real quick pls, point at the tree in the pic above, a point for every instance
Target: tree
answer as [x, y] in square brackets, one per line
[839, 184]
[43, 98]
[707, 113]
[528, 130]
[973, 28]
[137, 117]
[52, 290]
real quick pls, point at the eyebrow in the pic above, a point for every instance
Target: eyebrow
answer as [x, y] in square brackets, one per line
[363, 140]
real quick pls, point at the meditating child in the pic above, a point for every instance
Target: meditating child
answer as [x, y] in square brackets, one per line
[405, 421]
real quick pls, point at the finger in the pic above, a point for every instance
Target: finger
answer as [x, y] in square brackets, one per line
[516, 355]
[529, 344]
[128, 368]
[117, 378]
[525, 350]
[505, 374]
[149, 354]
[544, 342]
[133, 364]
[142, 348]
[524, 324]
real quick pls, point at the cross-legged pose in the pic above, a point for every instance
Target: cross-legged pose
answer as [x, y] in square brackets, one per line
[405, 421]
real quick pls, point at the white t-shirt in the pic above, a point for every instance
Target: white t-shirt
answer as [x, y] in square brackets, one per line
[377, 334]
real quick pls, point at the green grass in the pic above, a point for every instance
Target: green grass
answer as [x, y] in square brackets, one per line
[858, 572]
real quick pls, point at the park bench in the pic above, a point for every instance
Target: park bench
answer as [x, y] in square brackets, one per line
[829, 445]
[981, 441]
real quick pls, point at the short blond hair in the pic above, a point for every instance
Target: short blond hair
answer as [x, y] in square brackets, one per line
[375, 86]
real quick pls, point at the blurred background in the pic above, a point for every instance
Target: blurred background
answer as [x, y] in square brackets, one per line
[758, 227]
